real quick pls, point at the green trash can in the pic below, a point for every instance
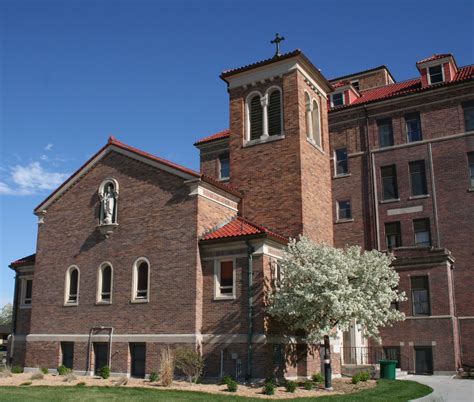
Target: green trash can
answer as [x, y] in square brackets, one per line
[388, 369]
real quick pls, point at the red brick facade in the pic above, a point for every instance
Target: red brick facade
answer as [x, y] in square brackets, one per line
[285, 183]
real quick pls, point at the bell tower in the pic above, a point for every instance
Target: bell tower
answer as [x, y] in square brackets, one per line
[279, 145]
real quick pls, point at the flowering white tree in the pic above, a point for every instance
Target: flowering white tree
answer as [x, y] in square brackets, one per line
[323, 289]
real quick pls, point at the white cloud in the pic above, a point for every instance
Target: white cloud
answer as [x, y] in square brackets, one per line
[48, 147]
[44, 157]
[31, 179]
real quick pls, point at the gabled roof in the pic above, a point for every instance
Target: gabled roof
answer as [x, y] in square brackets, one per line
[115, 145]
[25, 261]
[214, 137]
[241, 227]
[435, 57]
[404, 88]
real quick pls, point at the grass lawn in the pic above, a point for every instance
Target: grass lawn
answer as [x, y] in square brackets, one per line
[385, 391]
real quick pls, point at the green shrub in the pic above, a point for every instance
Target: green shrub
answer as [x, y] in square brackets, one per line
[37, 376]
[269, 388]
[291, 386]
[318, 378]
[16, 370]
[308, 385]
[25, 383]
[105, 372]
[63, 370]
[232, 385]
[364, 376]
[355, 378]
[190, 363]
[81, 384]
[44, 370]
[271, 380]
[153, 376]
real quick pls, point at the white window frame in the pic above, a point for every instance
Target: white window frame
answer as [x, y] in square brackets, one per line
[217, 273]
[100, 272]
[429, 75]
[337, 93]
[338, 218]
[68, 283]
[23, 281]
[136, 299]
[335, 160]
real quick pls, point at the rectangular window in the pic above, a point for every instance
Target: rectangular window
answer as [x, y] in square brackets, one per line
[420, 295]
[342, 166]
[344, 210]
[224, 166]
[67, 352]
[470, 160]
[469, 115]
[418, 178]
[413, 126]
[393, 234]
[436, 74]
[385, 133]
[225, 286]
[337, 99]
[389, 182]
[421, 227]
[26, 292]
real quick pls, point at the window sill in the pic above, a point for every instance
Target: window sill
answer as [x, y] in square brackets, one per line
[470, 190]
[345, 220]
[419, 197]
[315, 145]
[224, 179]
[25, 306]
[261, 140]
[139, 301]
[70, 304]
[389, 201]
[218, 298]
[103, 303]
[340, 176]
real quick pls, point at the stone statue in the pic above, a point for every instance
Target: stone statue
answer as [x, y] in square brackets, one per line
[108, 204]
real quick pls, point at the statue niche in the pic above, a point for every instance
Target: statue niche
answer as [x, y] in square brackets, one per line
[108, 195]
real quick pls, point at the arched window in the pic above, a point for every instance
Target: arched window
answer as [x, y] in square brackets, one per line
[72, 286]
[141, 280]
[309, 125]
[255, 118]
[104, 283]
[108, 194]
[274, 113]
[316, 123]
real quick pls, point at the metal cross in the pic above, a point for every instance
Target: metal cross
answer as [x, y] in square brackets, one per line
[277, 41]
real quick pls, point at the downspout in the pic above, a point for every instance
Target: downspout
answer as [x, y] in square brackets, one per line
[14, 314]
[250, 251]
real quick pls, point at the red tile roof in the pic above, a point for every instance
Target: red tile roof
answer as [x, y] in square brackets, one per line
[435, 57]
[217, 136]
[28, 260]
[405, 88]
[241, 227]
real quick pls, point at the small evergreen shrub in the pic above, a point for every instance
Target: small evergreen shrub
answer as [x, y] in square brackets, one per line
[271, 380]
[308, 385]
[16, 370]
[63, 370]
[37, 376]
[364, 376]
[105, 372]
[355, 378]
[269, 388]
[154, 376]
[318, 378]
[290, 386]
[232, 386]
[23, 384]
[44, 370]
[226, 379]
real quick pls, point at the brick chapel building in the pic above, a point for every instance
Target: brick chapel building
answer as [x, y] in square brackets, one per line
[136, 253]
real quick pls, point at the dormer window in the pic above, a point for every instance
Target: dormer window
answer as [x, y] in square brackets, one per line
[337, 99]
[355, 84]
[435, 74]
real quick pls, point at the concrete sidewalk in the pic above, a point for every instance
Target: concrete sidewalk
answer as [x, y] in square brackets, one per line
[446, 388]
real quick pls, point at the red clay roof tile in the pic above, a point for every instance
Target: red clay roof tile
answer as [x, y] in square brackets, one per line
[217, 136]
[28, 260]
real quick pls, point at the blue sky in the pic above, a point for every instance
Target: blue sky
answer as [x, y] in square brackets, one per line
[74, 72]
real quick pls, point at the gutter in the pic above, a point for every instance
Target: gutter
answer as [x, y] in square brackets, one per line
[250, 251]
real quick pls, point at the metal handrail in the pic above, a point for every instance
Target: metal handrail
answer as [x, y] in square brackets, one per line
[370, 355]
